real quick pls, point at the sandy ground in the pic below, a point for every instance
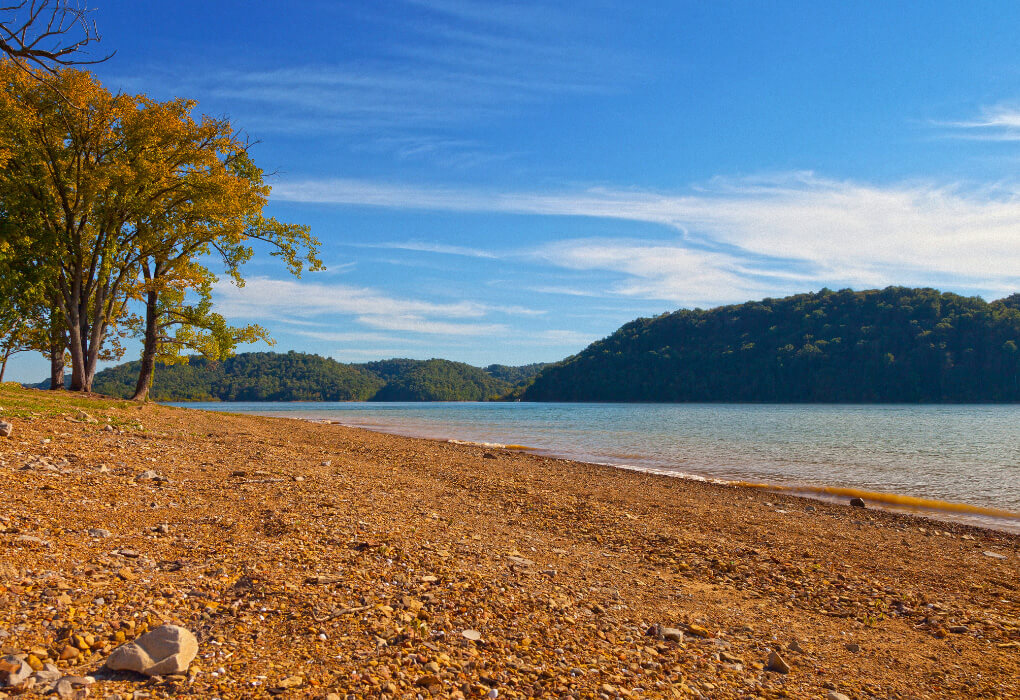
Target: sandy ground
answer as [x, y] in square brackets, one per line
[315, 559]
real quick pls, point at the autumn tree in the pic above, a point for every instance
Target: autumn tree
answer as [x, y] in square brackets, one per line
[129, 198]
[209, 207]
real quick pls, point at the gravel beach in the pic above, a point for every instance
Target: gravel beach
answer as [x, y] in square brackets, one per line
[320, 561]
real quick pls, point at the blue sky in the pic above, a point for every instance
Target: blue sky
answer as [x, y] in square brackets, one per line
[509, 181]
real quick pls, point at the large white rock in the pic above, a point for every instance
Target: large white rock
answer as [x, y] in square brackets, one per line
[166, 650]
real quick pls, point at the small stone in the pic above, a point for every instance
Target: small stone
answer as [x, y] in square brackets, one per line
[31, 539]
[73, 687]
[472, 635]
[852, 647]
[795, 646]
[14, 671]
[168, 649]
[162, 529]
[126, 574]
[427, 681]
[959, 629]
[777, 663]
[33, 661]
[47, 675]
[291, 682]
[994, 555]
[672, 634]
[6, 429]
[98, 532]
[729, 658]
[492, 694]
[858, 503]
[68, 653]
[833, 695]
[699, 631]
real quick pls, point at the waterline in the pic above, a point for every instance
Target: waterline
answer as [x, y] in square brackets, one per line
[960, 462]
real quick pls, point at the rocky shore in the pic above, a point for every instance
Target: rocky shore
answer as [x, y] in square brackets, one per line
[312, 560]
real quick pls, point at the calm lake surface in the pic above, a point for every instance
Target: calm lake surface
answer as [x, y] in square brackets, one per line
[944, 455]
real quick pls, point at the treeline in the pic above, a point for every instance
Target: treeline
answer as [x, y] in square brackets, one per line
[890, 345]
[293, 376]
[117, 213]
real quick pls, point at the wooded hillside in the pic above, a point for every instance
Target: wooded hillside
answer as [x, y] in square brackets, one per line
[891, 345]
[293, 376]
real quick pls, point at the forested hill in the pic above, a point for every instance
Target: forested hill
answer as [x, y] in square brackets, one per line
[890, 345]
[293, 376]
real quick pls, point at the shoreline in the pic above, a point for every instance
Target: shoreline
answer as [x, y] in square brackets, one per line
[312, 559]
[982, 517]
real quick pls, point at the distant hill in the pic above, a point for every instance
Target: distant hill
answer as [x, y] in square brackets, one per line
[437, 380]
[890, 345]
[293, 376]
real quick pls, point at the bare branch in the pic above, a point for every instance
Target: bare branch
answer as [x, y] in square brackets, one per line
[48, 34]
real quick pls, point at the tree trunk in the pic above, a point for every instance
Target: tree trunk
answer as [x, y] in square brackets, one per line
[148, 368]
[58, 344]
[77, 357]
[3, 365]
[56, 367]
[72, 314]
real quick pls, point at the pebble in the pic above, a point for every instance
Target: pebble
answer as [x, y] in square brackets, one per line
[994, 555]
[48, 674]
[699, 631]
[858, 503]
[777, 663]
[852, 647]
[473, 635]
[6, 429]
[14, 671]
[165, 650]
[834, 695]
[98, 532]
[672, 634]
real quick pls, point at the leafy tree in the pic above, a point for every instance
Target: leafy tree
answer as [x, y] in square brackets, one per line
[118, 197]
[209, 202]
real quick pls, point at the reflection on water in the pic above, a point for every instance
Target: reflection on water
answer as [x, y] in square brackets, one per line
[953, 454]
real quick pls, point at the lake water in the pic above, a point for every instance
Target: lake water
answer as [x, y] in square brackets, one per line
[959, 462]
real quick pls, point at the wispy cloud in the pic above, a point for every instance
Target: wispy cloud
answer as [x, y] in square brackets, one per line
[443, 65]
[431, 247]
[997, 123]
[740, 237]
[262, 297]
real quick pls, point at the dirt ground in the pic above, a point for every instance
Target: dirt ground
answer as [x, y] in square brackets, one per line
[315, 560]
